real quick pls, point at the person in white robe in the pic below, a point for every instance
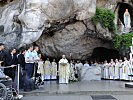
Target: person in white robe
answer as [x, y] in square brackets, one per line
[111, 69]
[116, 69]
[106, 69]
[85, 68]
[102, 70]
[41, 67]
[54, 70]
[131, 67]
[72, 72]
[126, 69]
[79, 67]
[86, 65]
[64, 70]
[120, 69]
[47, 66]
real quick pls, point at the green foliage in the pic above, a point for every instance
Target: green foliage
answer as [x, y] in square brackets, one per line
[123, 41]
[106, 18]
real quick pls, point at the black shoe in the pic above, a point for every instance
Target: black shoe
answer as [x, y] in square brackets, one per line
[42, 83]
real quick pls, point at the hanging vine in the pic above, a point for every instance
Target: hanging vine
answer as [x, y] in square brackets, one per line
[123, 41]
[106, 18]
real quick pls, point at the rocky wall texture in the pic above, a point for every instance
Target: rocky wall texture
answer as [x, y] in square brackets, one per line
[57, 26]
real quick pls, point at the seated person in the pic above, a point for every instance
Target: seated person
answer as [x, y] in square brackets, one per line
[2, 75]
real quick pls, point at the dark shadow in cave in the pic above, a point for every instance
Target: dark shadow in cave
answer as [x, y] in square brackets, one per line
[4, 2]
[101, 54]
[121, 10]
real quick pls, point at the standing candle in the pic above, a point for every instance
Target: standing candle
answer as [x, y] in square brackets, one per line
[131, 56]
[132, 40]
[131, 48]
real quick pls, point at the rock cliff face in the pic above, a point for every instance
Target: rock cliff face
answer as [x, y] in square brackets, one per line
[71, 39]
[57, 26]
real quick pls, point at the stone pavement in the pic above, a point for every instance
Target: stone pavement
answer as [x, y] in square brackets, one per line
[80, 97]
[82, 88]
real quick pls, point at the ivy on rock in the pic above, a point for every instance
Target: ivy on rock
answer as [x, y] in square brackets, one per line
[123, 41]
[106, 18]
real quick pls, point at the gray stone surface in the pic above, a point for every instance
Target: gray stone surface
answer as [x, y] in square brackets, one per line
[34, 16]
[91, 73]
[58, 98]
[73, 97]
[123, 97]
[80, 91]
[57, 26]
[82, 88]
[70, 40]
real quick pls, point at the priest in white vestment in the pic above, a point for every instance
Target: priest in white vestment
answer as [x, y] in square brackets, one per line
[41, 70]
[120, 69]
[126, 69]
[72, 72]
[112, 69]
[64, 70]
[54, 70]
[47, 66]
[106, 69]
[85, 68]
[116, 69]
[41, 67]
[79, 67]
[86, 65]
[102, 70]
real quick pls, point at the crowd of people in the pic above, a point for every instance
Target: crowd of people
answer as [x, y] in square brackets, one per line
[32, 64]
[117, 69]
[26, 59]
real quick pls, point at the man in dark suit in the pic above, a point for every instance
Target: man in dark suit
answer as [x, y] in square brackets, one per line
[21, 61]
[2, 54]
[11, 59]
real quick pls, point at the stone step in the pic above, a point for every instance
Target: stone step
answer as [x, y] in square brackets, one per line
[45, 93]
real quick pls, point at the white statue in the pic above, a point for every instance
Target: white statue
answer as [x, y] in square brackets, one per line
[127, 21]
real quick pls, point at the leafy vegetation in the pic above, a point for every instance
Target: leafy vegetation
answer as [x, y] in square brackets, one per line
[106, 18]
[123, 41]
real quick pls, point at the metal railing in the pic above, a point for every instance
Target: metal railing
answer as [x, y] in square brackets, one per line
[6, 91]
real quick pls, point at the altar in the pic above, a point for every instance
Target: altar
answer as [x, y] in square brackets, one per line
[91, 73]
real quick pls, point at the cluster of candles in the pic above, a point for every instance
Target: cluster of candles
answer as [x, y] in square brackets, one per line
[131, 49]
